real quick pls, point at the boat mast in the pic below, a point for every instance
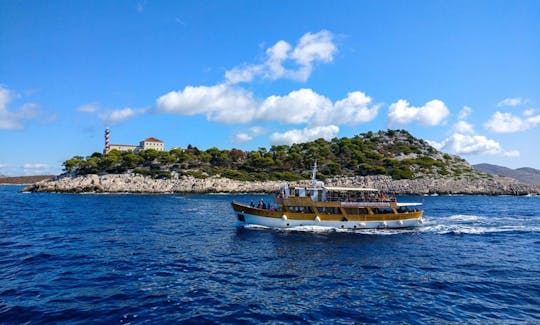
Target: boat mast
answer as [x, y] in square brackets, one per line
[314, 174]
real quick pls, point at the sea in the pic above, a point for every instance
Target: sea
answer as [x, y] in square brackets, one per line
[175, 259]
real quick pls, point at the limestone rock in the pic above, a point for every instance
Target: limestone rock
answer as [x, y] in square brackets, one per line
[132, 183]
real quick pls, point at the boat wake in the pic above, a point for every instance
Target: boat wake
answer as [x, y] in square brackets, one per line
[477, 225]
[455, 224]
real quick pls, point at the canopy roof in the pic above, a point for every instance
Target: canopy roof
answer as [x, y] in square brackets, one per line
[355, 189]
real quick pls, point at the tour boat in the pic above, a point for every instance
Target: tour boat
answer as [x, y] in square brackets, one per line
[329, 206]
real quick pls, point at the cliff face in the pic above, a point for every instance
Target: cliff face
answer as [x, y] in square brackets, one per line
[130, 183]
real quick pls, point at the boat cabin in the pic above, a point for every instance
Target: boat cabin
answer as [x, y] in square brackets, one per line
[335, 194]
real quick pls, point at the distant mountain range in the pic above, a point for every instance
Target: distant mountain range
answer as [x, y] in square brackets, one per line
[525, 174]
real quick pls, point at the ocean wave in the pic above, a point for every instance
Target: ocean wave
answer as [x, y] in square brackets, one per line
[465, 217]
[443, 229]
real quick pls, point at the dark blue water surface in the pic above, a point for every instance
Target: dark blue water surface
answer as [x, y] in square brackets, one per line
[181, 258]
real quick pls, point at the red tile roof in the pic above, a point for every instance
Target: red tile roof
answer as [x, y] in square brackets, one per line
[152, 140]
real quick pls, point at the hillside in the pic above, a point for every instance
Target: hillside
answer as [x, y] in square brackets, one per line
[525, 174]
[395, 153]
[20, 180]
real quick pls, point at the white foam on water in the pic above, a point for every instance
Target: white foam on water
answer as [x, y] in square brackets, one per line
[321, 229]
[465, 217]
[443, 229]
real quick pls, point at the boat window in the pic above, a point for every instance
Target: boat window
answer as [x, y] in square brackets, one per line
[329, 210]
[314, 195]
[300, 192]
[300, 209]
[383, 210]
[284, 191]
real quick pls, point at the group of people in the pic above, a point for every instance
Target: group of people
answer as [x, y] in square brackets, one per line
[261, 205]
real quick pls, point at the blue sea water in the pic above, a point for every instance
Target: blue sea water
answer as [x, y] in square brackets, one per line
[120, 259]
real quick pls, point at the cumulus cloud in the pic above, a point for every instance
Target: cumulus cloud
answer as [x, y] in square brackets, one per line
[13, 119]
[529, 112]
[311, 49]
[221, 103]
[304, 135]
[471, 144]
[463, 128]
[88, 108]
[230, 104]
[354, 109]
[464, 140]
[432, 113]
[120, 115]
[248, 135]
[464, 113]
[509, 123]
[242, 137]
[299, 106]
[515, 101]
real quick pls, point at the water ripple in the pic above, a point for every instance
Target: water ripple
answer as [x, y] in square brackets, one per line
[169, 258]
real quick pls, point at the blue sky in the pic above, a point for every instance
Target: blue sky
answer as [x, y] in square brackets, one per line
[464, 75]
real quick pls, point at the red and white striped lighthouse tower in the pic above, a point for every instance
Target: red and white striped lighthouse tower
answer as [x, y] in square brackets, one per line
[107, 140]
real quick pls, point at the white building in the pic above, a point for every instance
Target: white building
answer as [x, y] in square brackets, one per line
[151, 143]
[148, 143]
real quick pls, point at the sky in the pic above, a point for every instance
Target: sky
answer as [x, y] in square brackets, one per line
[463, 75]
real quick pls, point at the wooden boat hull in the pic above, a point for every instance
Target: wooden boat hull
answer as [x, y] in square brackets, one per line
[247, 215]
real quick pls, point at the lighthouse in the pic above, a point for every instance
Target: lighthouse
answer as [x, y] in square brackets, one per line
[107, 141]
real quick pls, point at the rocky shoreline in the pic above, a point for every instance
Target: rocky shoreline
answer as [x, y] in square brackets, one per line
[132, 183]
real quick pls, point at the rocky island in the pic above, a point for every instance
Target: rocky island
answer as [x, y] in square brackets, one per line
[392, 161]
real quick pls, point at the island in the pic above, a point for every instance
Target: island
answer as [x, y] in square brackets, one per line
[393, 161]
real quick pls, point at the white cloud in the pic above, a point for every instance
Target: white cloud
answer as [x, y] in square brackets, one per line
[5, 98]
[88, 108]
[529, 112]
[12, 120]
[221, 103]
[463, 128]
[513, 153]
[304, 135]
[120, 115]
[435, 144]
[242, 137]
[274, 64]
[508, 123]
[230, 104]
[432, 113]
[516, 101]
[242, 74]
[249, 135]
[464, 140]
[37, 166]
[354, 109]
[36, 169]
[311, 48]
[297, 107]
[464, 113]
[257, 130]
[471, 144]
